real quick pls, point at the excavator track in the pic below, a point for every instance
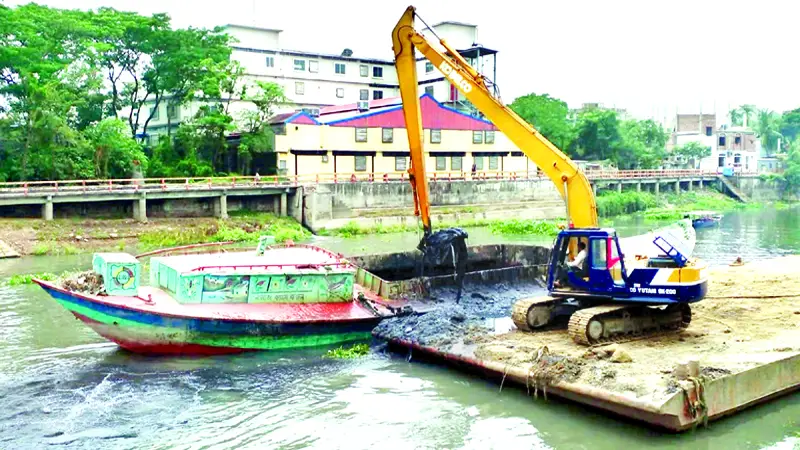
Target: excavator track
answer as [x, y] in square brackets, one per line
[615, 323]
[529, 314]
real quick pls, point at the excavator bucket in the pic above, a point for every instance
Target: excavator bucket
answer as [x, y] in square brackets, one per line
[438, 247]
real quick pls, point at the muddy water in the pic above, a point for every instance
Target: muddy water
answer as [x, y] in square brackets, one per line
[61, 386]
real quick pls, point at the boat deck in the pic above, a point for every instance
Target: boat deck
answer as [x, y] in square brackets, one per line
[274, 260]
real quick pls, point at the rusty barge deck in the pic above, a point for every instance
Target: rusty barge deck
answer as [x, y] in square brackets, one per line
[742, 348]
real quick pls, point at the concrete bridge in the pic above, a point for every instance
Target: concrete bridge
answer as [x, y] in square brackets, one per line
[285, 195]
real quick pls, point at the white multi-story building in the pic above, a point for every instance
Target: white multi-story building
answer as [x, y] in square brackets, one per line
[313, 80]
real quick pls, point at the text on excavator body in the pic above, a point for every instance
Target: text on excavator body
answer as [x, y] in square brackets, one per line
[455, 77]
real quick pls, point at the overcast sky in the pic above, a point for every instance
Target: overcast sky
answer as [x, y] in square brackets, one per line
[649, 56]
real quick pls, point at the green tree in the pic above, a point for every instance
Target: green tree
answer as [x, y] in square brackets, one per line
[115, 153]
[548, 115]
[257, 136]
[597, 136]
[768, 125]
[790, 124]
[792, 171]
[643, 145]
[744, 115]
[692, 151]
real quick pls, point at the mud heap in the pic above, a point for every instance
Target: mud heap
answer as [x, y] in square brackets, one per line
[453, 321]
[88, 282]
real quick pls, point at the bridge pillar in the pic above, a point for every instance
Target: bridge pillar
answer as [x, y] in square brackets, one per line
[656, 188]
[47, 209]
[284, 204]
[639, 186]
[700, 183]
[221, 206]
[140, 209]
[619, 186]
[276, 204]
[677, 186]
[594, 189]
[690, 185]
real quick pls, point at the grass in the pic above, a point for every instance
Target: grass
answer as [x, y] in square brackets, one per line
[27, 278]
[497, 226]
[668, 206]
[353, 352]
[243, 227]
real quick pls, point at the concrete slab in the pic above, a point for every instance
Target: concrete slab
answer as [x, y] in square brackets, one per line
[7, 252]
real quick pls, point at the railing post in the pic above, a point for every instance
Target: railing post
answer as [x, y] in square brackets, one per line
[26, 188]
[109, 185]
[186, 184]
[56, 186]
[233, 183]
[163, 185]
[83, 183]
[386, 178]
[353, 178]
[295, 180]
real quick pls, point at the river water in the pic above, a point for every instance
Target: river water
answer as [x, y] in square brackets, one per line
[62, 386]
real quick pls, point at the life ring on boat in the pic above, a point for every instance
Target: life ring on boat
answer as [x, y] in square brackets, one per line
[123, 277]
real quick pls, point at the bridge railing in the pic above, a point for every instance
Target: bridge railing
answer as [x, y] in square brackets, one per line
[25, 188]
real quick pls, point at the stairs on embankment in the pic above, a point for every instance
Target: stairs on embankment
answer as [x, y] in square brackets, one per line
[732, 190]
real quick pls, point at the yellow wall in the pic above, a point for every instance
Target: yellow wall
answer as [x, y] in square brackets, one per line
[323, 137]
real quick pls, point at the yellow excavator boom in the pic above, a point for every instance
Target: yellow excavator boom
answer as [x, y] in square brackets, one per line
[570, 181]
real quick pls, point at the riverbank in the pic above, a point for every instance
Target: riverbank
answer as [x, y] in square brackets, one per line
[75, 236]
[669, 206]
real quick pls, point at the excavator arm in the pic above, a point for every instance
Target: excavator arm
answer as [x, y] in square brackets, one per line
[572, 184]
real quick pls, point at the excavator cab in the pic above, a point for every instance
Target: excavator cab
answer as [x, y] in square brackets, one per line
[600, 273]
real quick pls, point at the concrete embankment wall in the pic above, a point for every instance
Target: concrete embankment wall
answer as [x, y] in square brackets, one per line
[332, 206]
[763, 190]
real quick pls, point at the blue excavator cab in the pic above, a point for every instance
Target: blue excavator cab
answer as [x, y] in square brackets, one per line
[658, 280]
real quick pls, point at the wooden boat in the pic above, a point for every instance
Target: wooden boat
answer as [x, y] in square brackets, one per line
[704, 219]
[215, 303]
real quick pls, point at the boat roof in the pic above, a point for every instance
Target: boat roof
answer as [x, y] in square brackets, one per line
[274, 260]
[702, 213]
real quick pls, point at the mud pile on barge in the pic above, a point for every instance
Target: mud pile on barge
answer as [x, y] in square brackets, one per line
[743, 346]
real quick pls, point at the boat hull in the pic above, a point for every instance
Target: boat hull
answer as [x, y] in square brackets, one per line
[705, 223]
[151, 333]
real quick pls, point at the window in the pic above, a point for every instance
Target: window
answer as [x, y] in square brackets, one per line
[269, 61]
[737, 140]
[441, 163]
[429, 90]
[721, 161]
[428, 67]
[388, 135]
[455, 163]
[722, 140]
[154, 112]
[299, 88]
[377, 72]
[400, 164]
[339, 68]
[361, 163]
[361, 135]
[489, 138]
[377, 95]
[363, 70]
[477, 137]
[282, 164]
[493, 162]
[363, 94]
[478, 162]
[300, 64]
[708, 131]
[173, 111]
[599, 254]
[436, 136]
[340, 92]
[737, 159]
[313, 66]
[325, 159]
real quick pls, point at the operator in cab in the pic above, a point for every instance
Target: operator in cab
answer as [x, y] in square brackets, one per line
[576, 265]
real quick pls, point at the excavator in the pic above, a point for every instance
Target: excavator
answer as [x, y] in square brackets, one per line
[609, 297]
